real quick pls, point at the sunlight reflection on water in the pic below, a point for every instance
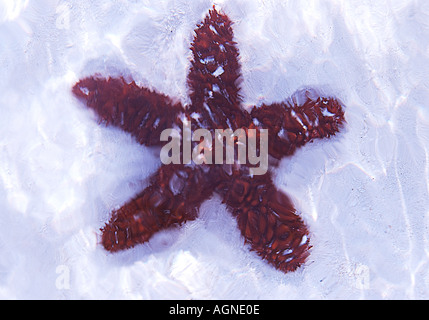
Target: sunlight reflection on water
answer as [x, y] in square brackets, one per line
[364, 193]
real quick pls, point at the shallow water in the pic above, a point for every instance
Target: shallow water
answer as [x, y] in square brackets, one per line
[363, 194]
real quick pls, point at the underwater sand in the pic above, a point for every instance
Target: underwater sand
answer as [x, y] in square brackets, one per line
[364, 194]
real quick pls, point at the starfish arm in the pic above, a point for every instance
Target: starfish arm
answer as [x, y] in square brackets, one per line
[268, 221]
[214, 75]
[139, 111]
[293, 123]
[173, 197]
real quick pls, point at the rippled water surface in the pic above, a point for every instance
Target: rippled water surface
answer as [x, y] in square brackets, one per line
[363, 193]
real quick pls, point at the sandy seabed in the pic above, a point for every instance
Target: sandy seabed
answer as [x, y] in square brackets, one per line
[364, 193]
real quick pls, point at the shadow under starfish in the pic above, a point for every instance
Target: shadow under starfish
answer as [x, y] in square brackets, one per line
[266, 217]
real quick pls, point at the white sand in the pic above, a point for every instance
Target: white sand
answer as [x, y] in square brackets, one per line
[363, 194]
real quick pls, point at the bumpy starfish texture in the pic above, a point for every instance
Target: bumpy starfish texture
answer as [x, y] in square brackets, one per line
[265, 216]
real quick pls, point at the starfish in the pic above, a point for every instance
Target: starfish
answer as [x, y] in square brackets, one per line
[265, 216]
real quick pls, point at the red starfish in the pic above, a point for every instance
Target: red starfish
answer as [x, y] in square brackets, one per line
[266, 217]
